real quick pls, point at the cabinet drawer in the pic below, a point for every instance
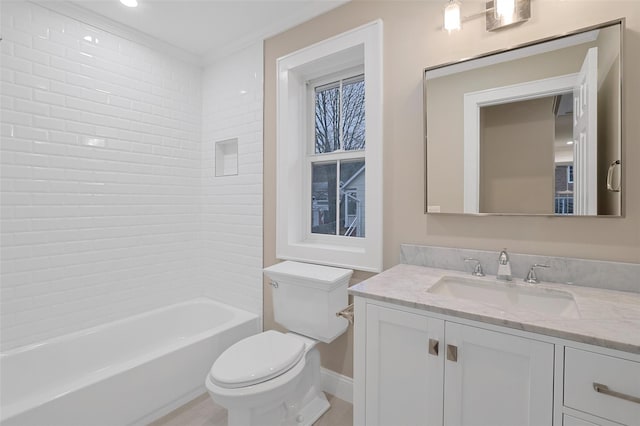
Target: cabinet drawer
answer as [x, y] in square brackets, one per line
[574, 421]
[619, 384]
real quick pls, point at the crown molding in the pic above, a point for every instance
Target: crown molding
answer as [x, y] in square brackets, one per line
[79, 13]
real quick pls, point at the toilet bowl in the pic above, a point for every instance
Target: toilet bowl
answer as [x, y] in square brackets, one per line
[269, 379]
[273, 378]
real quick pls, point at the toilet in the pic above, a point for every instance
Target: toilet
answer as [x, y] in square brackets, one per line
[273, 378]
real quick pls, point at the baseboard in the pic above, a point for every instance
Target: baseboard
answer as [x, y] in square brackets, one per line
[337, 384]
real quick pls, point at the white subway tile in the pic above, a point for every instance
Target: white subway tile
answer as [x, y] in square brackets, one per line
[16, 64]
[7, 75]
[19, 38]
[44, 45]
[29, 80]
[80, 80]
[19, 145]
[31, 159]
[47, 173]
[81, 128]
[48, 72]
[30, 107]
[6, 102]
[63, 137]
[22, 132]
[94, 95]
[49, 148]
[48, 123]
[14, 117]
[48, 98]
[65, 113]
[30, 54]
[10, 89]
[67, 89]
[6, 47]
[58, 37]
[31, 185]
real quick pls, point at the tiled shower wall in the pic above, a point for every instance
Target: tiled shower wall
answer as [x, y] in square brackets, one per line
[101, 178]
[232, 205]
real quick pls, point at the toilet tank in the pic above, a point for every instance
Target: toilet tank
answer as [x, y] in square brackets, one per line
[306, 298]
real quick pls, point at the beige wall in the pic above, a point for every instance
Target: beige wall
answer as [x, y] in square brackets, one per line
[413, 40]
[517, 170]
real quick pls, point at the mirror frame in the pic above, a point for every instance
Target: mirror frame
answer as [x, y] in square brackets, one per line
[622, 176]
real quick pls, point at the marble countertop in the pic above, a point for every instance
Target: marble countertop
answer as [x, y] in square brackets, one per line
[607, 318]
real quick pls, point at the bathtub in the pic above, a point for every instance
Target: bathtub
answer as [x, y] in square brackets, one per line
[127, 372]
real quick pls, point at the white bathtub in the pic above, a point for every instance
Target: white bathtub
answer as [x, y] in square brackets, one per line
[130, 371]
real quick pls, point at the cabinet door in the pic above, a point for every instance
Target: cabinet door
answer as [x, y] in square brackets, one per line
[497, 379]
[403, 380]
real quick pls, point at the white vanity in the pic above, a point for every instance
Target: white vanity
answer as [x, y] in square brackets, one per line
[439, 347]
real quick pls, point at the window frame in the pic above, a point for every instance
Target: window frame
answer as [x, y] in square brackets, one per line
[298, 72]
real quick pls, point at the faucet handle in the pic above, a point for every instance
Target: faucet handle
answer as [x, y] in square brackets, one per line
[532, 278]
[503, 257]
[477, 269]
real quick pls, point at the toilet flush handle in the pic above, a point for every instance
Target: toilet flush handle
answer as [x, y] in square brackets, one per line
[274, 284]
[347, 313]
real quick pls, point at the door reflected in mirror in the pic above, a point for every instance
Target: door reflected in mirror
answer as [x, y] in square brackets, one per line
[533, 130]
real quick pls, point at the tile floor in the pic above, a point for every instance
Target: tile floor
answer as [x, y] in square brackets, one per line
[202, 411]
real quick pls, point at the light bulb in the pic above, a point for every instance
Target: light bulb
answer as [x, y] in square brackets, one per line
[504, 9]
[130, 3]
[452, 16]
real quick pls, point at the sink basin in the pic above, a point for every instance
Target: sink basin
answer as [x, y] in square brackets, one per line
[509, 296]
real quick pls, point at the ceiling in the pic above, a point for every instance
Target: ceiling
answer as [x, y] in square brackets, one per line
[210, 29]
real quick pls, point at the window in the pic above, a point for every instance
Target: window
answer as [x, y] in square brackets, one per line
[329, 142]
[338, 185]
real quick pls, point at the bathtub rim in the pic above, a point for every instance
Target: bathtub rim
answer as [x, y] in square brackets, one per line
[16, 408]
[98, 327]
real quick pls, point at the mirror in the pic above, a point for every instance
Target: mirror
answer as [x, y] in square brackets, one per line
[533, 130]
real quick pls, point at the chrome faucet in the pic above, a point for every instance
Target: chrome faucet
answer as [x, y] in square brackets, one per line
[477, 269]
[504, 267]
[532, 278]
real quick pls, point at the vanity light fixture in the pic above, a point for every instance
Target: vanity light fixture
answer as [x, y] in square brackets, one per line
[130, 3]
[502, 13]
[498, 14]
[452, 16]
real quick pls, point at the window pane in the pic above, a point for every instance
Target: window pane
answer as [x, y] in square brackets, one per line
[327, 110]
[323, 198]
[352, 198]
[353, 114]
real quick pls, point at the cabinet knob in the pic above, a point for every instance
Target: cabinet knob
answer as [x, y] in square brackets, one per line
[433, 346]
[452, 353]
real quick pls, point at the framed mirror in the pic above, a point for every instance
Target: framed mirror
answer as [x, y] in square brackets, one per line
[532, 130]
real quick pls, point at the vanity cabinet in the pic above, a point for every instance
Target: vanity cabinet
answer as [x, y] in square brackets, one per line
[424, 370]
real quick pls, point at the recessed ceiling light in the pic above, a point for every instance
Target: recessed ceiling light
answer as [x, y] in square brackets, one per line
[130, 3]
[569, 142]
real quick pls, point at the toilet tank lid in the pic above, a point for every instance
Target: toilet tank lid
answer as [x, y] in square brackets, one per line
[319, 274]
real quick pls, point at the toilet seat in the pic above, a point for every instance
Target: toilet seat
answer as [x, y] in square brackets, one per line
[256, 359]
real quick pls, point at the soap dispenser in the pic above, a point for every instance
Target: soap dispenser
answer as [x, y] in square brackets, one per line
[504, 267]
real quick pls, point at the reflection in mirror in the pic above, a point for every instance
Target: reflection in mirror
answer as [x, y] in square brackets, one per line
[532, 130]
